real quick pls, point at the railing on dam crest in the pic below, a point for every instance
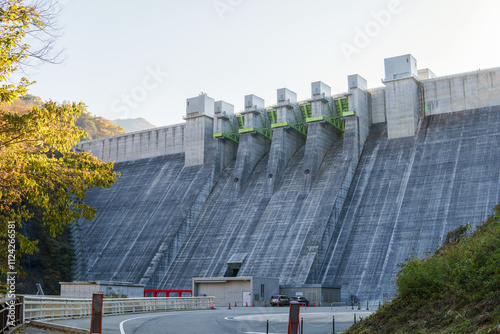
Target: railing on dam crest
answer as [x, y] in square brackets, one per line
[52, 307]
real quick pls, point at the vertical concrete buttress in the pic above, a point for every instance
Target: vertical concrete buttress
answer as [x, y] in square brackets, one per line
[320, 135]
[359, 101]
[253, 145]
[225, 122]
[286, 140]
[344, 173]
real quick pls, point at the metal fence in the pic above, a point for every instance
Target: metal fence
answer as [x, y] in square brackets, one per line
[52, 308]
[10, 308]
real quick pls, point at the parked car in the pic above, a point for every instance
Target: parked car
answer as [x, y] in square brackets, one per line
[301, 300]
[280, 300]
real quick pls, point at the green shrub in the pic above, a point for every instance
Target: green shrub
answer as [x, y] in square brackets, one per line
[456, 290]
[467, 265]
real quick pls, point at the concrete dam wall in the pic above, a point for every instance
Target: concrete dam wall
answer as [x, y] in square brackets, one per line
[334, 191]
[408, 193]
[147, 211]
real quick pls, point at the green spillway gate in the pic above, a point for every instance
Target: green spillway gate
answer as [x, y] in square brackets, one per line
[342, 109]
[336, 121]
[265, 131]
[231, 136]
[342, 105]
[306, 110]
[273, 116]
[241, 121]
[299, 126]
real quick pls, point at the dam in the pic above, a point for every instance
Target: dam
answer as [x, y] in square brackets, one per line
[334, 190]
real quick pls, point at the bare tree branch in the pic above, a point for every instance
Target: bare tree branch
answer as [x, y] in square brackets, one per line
[43, 37]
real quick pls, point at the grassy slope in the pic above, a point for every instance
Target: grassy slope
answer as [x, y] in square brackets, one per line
[456, 290]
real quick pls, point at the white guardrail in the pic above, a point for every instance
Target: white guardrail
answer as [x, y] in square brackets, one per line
[52, 308]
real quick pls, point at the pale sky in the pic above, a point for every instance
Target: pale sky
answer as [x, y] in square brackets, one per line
[129, 59]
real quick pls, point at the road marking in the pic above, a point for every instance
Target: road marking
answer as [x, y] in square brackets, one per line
[122, 331]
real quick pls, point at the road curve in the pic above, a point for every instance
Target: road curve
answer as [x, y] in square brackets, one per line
[244, 320]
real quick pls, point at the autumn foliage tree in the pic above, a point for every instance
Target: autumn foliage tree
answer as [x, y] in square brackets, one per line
[97, 126]
[40, 173]
[94, 126]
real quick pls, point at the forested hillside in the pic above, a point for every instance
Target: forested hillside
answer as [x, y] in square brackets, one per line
[94, 126]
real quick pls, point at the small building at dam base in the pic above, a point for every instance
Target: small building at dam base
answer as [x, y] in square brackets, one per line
[242, 291]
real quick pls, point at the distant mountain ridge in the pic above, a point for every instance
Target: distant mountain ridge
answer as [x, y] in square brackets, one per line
[133, 124]
[95, 126]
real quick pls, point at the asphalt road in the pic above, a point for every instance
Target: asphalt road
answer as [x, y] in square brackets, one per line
[245, 320]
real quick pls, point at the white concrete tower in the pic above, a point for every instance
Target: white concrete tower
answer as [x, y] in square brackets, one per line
[224, 118]
[199, 129]
[254, 112]
[402, 96]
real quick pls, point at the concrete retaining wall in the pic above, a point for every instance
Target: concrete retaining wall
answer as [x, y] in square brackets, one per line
[138, 145]
[86, 289]
[459, 92]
